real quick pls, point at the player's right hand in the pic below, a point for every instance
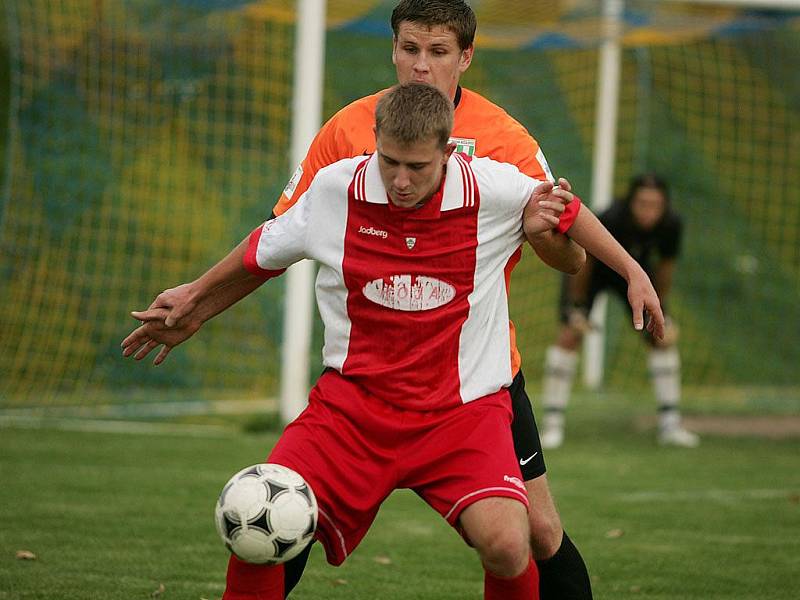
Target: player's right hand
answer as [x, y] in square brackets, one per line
[543, 212]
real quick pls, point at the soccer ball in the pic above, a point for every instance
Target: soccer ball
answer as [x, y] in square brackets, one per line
[266, 514]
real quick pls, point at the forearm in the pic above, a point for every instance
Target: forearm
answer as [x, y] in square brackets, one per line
[223, 285]
[558, 251]
[590, 233]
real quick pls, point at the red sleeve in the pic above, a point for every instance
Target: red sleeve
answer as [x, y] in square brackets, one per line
[569, 215]
[249, 261]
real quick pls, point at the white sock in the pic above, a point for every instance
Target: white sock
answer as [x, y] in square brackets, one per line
[559, 373]
[665, 373]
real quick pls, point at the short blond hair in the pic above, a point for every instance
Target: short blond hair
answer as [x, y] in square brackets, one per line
[414, 112]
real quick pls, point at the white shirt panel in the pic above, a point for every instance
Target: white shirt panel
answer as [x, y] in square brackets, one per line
[484, 355]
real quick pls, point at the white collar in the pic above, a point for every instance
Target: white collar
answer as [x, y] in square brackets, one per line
[460, 185]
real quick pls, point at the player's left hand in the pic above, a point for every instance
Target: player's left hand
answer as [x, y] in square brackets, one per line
[646, 307]
[544, 208]
[180, 302]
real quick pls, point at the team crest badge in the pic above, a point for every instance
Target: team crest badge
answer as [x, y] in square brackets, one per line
[411, 242]
[463, 145]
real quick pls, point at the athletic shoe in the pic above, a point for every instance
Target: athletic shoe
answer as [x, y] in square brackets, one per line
[678, 436]
[552, 437]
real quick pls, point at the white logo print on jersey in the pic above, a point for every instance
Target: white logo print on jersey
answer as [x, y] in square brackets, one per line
[373, 231]
[409, 293]
[515, 481]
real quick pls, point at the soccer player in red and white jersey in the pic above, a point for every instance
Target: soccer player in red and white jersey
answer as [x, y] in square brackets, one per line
[411, 241]
[433, 43]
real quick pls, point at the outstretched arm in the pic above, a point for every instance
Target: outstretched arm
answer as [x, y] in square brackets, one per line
[590, 233]
[177, 313]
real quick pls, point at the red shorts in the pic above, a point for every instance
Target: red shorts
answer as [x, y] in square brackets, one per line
[354, 450]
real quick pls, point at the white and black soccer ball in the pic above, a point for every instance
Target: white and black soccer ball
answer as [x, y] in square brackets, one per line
[266, 514]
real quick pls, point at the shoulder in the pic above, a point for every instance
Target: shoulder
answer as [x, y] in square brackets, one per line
[349, 132]
[476, 106]
[345, 167]
[501, 181]
[336, 177]
[480, 104]
[500, 135]
[490, 167]
[360, 112]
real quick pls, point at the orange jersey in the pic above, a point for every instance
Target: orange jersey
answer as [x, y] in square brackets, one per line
[480, 128]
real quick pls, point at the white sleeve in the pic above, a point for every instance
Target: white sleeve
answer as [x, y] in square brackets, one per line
[508, 188]
[283, 240]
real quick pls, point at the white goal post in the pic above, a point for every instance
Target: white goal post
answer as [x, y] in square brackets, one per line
[298, 316]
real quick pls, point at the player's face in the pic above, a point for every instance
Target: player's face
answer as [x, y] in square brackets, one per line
[430, 55]
[647, 207]
[411, 174]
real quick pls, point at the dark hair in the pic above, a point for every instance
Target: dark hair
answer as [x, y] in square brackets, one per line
[646, 180]
[414, 112]
[456, 15]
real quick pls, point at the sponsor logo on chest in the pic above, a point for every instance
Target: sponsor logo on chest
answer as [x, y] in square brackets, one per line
[410, 293]
[372, 231]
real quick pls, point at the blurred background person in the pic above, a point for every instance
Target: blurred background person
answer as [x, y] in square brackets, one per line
[648, 227]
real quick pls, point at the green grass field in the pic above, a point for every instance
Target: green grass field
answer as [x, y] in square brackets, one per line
[117, 515]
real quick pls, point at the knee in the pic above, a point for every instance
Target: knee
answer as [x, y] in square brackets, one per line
[546, 533]
[506, 553]
[543, 520]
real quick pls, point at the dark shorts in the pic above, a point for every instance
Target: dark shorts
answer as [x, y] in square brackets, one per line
[525, 433]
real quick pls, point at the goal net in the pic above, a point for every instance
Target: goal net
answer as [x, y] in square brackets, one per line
[144, 139]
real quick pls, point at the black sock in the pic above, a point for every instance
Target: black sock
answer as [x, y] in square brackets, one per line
[293, 569]
[564, 575]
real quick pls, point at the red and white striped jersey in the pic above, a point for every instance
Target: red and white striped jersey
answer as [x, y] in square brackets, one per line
[480, 128]
[413, 300]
